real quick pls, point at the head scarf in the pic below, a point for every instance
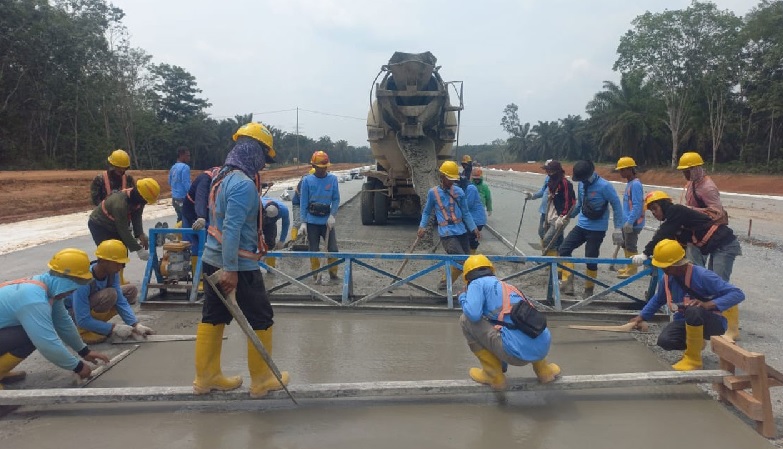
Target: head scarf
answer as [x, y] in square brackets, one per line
[248, 156]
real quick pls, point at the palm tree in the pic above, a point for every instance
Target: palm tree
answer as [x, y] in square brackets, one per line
[570, 141]
[544, 138]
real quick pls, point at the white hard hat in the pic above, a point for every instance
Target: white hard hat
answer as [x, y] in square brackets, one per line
[271, 210]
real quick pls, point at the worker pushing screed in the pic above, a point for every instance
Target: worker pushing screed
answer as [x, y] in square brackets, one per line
[319, 202]
[696, 296]
[451, 214]
[235, 244]
[501, 326]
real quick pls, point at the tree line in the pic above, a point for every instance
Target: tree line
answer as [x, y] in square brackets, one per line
[73, 88]
[695, 79]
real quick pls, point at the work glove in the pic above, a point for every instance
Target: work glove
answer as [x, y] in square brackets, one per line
[279, 246]
[617, 237]
[303, 229]
[199, 224]
[638, 259]
[560, 221]
[122, 330]
[330, 221]
[143, 254]
[141, 329]
[528, 196]
[628, 228]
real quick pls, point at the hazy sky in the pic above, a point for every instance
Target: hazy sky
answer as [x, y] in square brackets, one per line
[548, 57]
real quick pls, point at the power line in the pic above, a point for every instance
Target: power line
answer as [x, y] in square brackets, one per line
[333, 115]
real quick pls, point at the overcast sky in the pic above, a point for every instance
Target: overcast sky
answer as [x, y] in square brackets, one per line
[548, 57]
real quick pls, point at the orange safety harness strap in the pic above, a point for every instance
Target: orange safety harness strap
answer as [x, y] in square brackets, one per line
[506, 308]
[26, 281]
[450, 215]
[110, 216]
[107, 183]
[218, 235]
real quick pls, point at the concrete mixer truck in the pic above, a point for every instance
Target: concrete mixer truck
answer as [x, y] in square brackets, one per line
[411, 127]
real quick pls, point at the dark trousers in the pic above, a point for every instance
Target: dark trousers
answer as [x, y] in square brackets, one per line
[672, 336]
[456, 244]
[270, 234]
[577, 237]
[251, 298]
[14, 339]
[473, 241]
[314, 234]
[100, 234]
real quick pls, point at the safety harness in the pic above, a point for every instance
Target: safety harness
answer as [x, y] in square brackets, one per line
[27, 281]
[686, 299]
[214, 191]
[211, 174]
[450, 215]
[127, 192]
[506, 309]
[107, 183]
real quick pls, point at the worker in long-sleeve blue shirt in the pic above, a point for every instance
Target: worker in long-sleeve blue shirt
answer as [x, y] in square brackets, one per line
[452, 215]
[274, 211]
[94, 304]
[696, 296]
[633, 212]
[33, 316]
[491, 334]
[319, 202]
[179, 180]
[592, 207]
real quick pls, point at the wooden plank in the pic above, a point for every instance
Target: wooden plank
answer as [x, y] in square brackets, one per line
[355, 390]
[742, 359]
[760, 391]
[743, 382]
[746, 403]
[157, 339]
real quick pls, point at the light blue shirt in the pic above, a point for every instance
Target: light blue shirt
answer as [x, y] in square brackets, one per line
[461, 212]
[475, 205]
[179, 180]
[601, 194]
[540, 194]
[282, 215]
[79, 302]
[318, 190]
[633, 204]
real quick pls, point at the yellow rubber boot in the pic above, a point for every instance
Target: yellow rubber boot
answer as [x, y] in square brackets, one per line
[314, 265]
[294, 233]
[271, 261]
[193, 263]
[732, 316]
[8, 362]
[491, 371]
[94, 338]
[545, 371]
[590, 285]
[567, 284]
[209, 376]
[694, 343]
[473, 251]
[629, 270]
[262, 380]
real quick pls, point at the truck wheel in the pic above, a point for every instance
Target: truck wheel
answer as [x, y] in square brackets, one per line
[381, 208]
[368, 203]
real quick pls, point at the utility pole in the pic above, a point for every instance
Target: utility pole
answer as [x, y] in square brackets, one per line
[298, 161]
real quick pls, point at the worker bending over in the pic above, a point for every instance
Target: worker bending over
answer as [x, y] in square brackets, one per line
[319, 202]
[633, 212]
[492, 334]
[33, 316]
[560, 200]
[234, 246]
[696, 296]
[274, 211]
[94, 304]
[451, 214]
[114, 179]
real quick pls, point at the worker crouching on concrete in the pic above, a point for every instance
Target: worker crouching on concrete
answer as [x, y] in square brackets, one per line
[319, 200]
[696, 296]
[33, 316]
[633, 212]
[114, 179]
[493, 335]
[452, 215]
[274, 211]
[235, 244]
[94, 304]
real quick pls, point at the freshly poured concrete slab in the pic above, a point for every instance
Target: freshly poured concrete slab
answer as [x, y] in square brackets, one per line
[333, 347]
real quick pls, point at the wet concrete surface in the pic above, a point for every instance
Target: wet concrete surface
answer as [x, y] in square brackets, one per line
[334, 347]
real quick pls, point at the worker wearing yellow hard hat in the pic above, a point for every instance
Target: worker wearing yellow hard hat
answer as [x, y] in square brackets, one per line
[114, 179]
[319, 200]
[493, 330]
[696, 296]
[633, 212]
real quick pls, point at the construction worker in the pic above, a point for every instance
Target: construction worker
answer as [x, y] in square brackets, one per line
[696, 296]
[93, 305]
[297, 219]
[467, 169]
[274, 211]
[477, 176]
[110, 219]
[179, 180]
[487, 325]
[451, 214]
[235, 245]
[592, 209]
[319, 200]
[477, 211]
[113, 179]
[33, 316]
[690, 226]
[633, 212]
[560, 200]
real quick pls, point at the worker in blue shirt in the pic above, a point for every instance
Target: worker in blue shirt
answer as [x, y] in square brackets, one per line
[487, 325]
[452, 215]
[274, 211]
[319, 202]
[477, 211]
[94, 304]
[633, 212]
[696, 296]
[592, 207]
[33, 316]
[179, 180]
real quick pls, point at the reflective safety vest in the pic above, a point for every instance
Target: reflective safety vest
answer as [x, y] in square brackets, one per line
[127, 192]
[218, 235]
[450, 215]
[107, 183]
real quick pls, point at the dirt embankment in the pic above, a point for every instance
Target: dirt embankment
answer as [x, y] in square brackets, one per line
[26, 195]
[738, 183]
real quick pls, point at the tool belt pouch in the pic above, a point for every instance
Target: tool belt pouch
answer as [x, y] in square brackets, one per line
[592, 213]
[319, 209]
[527, 319]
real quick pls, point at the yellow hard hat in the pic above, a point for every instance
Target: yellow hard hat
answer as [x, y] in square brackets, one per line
[477, 173]
[654, 196]
[466, 158]
[625, 162]
[149, 189]
[450, 170]
[119, 158]
[312, 170]
[71, 262]
[690, 159]
[113, 250]
[473, 262]
[259, 132]
[320, 159]
[667, 253]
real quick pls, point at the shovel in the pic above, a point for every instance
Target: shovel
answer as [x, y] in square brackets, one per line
[233, 308]
[614, 256]
[627, 327]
